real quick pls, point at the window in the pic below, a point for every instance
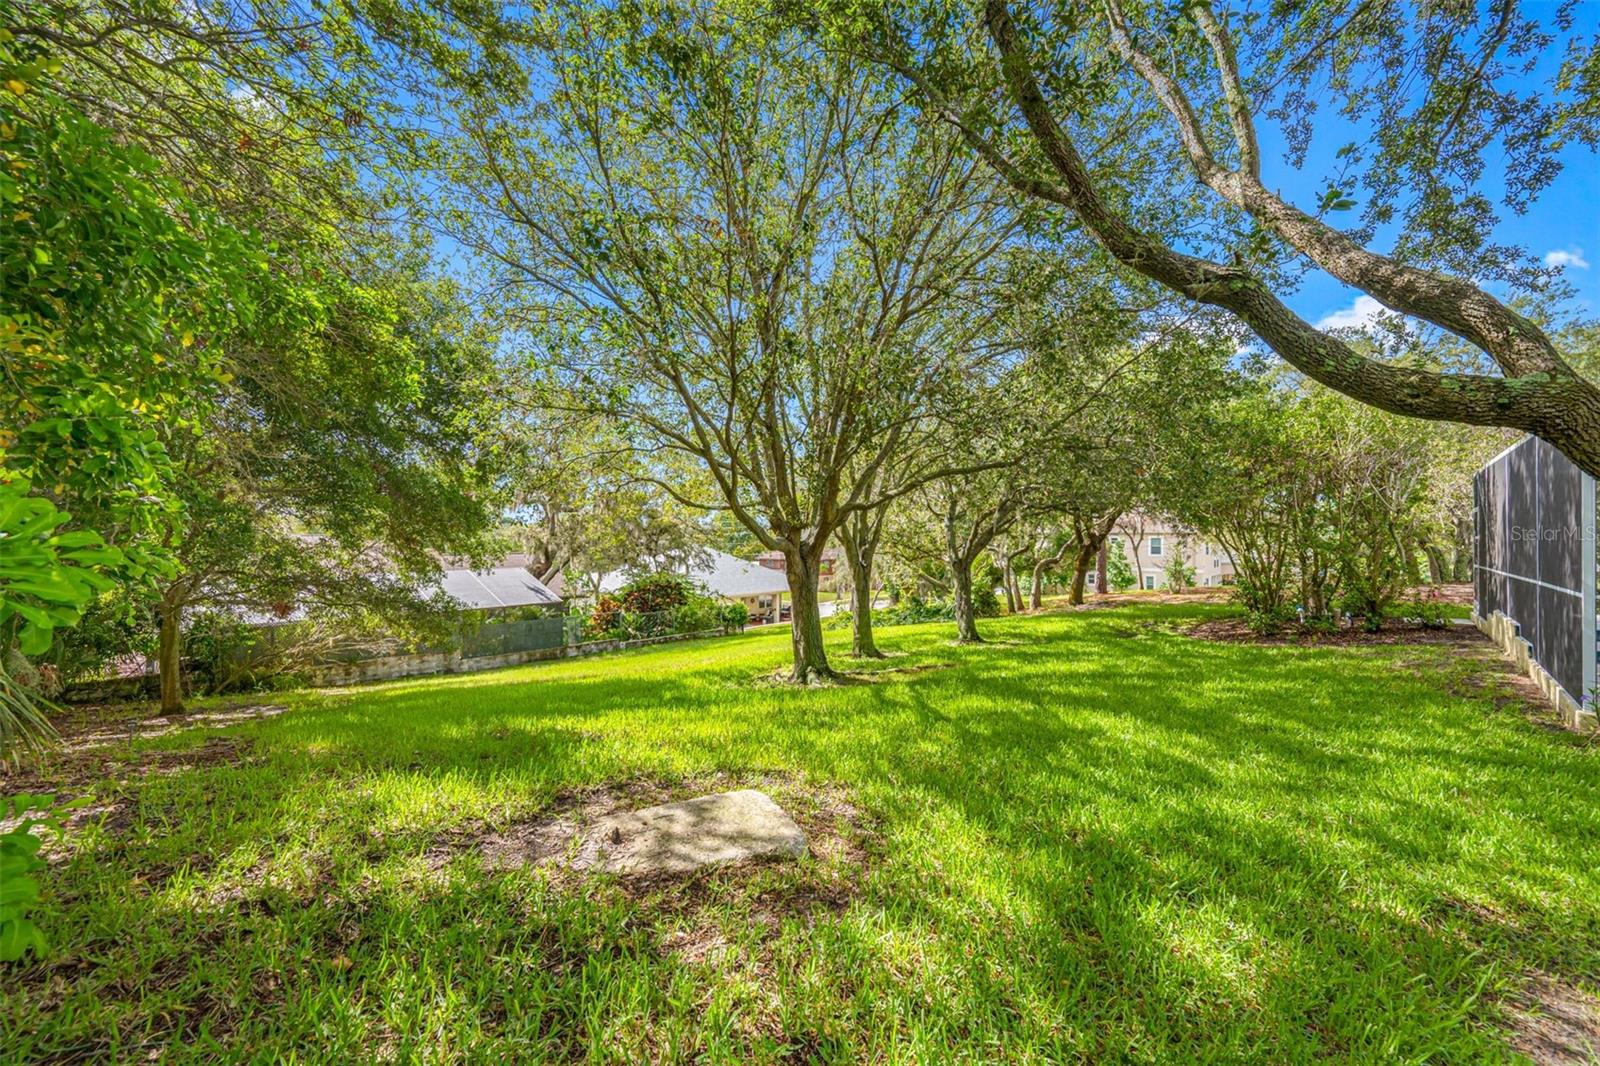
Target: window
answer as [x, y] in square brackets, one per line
[1155, 546]
[1149, 581]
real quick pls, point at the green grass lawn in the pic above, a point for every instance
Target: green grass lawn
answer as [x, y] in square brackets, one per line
[1098, 840]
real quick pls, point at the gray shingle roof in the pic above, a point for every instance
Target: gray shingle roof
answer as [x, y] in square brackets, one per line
[724, 575]
[503, 586]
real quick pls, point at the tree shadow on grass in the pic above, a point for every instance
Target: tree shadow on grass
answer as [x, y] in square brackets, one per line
[1095, 847]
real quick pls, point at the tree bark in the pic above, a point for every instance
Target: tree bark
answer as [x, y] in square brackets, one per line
[1100, 569]
[862, 644]
[1436, 567]
[169, 655]
[1080, 570]
[961, 589]
[1036, 597]
[1008, 577]
[810, 657]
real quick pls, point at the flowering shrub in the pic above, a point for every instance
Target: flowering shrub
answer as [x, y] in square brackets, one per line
[606, 616]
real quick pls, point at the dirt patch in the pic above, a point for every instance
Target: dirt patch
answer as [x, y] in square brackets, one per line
[834, 827]
[1237, 631]
[1554, 1023]
[74, 769]
[112, 782]
[690, 910]
[88, 727]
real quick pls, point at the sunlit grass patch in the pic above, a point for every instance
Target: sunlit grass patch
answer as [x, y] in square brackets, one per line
[1082, 845]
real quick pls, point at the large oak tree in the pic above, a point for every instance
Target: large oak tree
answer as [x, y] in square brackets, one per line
[1142, 123]
[745, 250]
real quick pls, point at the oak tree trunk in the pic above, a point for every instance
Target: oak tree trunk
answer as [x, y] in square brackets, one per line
[810, 657]
[1436, 565]
[170, 652]
[1080, 570]
[961, 589]
[862, 645]
[1100, 577]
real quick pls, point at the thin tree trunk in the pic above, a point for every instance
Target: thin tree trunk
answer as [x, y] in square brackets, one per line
[961, 587]
[1016, 590]
[170, 652]
[1080, 570]
[1100, 577]
[1036, 600]
[810, 657]
[1436, 567]
[862, 645]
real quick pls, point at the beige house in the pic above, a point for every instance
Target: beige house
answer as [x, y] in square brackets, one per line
[1151, 543]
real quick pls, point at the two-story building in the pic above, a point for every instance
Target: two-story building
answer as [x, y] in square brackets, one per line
[1150, 544]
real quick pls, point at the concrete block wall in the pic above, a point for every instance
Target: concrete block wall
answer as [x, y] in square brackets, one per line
[394, 667]
[1507, 634]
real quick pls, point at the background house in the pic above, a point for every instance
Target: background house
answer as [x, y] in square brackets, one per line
[760, 588]
[826, 567]
[1151, 543]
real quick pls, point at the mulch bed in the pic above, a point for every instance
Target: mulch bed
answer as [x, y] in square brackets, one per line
[1237, 631]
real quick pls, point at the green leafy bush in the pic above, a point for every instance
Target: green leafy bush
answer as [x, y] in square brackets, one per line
[1270, 620]
[220, 651]
[735, 616]
[1179, 574]
[47, 578]
[1119, 572]
[1430, 614]
[20, 866]
[697, 614]
[656, 592]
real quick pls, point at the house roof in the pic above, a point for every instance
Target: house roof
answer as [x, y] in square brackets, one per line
[722, 575]
[502, 586]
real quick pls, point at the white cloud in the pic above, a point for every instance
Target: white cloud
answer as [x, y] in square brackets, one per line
[1358, 315]
[1566, 257]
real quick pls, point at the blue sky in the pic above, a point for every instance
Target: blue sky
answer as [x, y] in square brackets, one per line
[1561, 228]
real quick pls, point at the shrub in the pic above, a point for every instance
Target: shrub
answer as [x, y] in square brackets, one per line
[697, 615]
[735, 616]
[657, 592]
[218, 647]
[1430, 614]
[1270, 620]
[1119, 572]
[1180, 575]
[606, 618]
[20, 866]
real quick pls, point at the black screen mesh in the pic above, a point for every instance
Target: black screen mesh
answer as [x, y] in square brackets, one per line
[1528, 554]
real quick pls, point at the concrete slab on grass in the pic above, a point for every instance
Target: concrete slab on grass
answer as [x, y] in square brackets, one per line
[680, 837]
